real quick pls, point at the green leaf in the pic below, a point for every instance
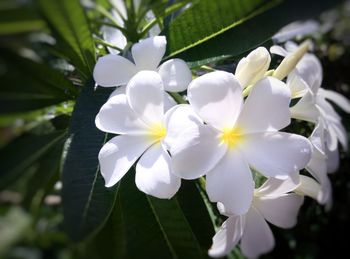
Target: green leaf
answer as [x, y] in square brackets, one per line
[48, 172]
[142, 226]
[87, 203]
[24, 152]
[19, 20]
[30, 85]
[210, 30]
[70, 27]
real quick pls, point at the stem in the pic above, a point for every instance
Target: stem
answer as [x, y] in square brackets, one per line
[105, 43]
[207, 68]
[201, 187]
[178, 98]
[110, 17]
[168, 11]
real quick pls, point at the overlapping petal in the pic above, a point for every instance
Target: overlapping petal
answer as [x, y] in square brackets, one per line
[231, 183]
[281, 211]
[116, 116]
[197, 152]
[276, 154]
[305, 109]
[175, 74]
[337, 98]
[153, 173]
[266, 108]
[275, 187]
[149, 52]
[213, 93]
[118, 155]
[257, 238]
[178, 119]
[113, 70]
[145, 96]
[227, 237]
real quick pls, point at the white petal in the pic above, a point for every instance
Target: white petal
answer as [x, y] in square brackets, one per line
[305, 109]
[116, 116]
[257, 237]
[309, 68]
[114, 37]
[175, 74]
[337, 98]
[177, 120]
[281, 211]
[169, 101]
[113, 70]
[297, 86]
[266, 108]
[118, 90]
[278, 50]
[196, 151]
[341, 133]
[275, 187]
[153, 174]
[333, 160]
[119, 154]
[145, 95]
[317, 167]
[276, 154]
[231, 183]
[149, 52]
[216, 93]
[227, 237]
[308, 187]
[331, 138]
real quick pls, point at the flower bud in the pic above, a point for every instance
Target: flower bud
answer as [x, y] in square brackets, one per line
[253, 67]
[291, 60]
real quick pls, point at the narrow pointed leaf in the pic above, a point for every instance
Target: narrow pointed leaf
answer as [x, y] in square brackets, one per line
[70, 27]
[87, 203]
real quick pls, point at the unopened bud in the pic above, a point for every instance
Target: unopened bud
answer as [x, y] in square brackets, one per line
[253, 67]
[291, 60]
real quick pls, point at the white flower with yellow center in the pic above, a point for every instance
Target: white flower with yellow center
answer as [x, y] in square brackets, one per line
[273, 202]
[138, 116]
[235, 136]
[114, 70]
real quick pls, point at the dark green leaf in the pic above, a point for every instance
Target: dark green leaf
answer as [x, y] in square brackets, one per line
[145, 227]
[212, 29]
[87, 203]
[19, 20]
[70, 27]
[29, 85]
[44, 177]
[24, 152]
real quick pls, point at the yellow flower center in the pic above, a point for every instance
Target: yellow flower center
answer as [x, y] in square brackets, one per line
[231, 137]
[157, 132]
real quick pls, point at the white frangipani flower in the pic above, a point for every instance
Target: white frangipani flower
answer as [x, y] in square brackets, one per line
[138, 116]
[273, 202]
[305, 81]
[236, 136]
[317, 166]
[253, 67]
[114, 70]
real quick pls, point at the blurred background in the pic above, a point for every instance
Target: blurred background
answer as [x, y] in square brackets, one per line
[36, 103]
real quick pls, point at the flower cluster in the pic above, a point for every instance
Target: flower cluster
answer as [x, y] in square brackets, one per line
[229, 133]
